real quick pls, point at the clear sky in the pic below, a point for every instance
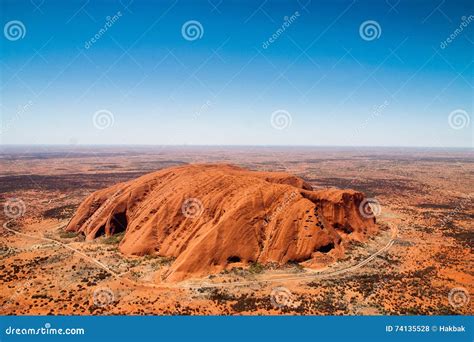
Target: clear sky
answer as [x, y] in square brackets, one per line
[321, 80]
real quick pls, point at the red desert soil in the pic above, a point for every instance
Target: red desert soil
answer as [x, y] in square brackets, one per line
[209, 216]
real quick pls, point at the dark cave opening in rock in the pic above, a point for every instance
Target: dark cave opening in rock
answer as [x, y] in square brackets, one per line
[118, 223]
[233, 259]
[326, 248]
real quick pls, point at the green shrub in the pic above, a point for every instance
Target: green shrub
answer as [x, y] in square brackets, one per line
[256, 268]
[67, 235]
[114, 239]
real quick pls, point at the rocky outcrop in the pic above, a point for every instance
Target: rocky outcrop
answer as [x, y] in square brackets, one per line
[210, 216]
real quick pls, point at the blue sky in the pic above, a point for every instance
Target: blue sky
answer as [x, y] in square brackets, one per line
[320, 80]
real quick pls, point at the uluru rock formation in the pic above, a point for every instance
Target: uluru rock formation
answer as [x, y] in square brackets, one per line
[209, 216]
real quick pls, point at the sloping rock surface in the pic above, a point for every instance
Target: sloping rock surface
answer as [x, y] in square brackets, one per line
[208, 216]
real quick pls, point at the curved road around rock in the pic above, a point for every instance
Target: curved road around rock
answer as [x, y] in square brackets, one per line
[190, 285]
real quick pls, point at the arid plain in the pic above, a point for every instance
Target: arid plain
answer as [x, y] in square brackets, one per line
[419, 261]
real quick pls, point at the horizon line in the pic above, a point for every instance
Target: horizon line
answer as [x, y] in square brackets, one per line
[235, 145]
